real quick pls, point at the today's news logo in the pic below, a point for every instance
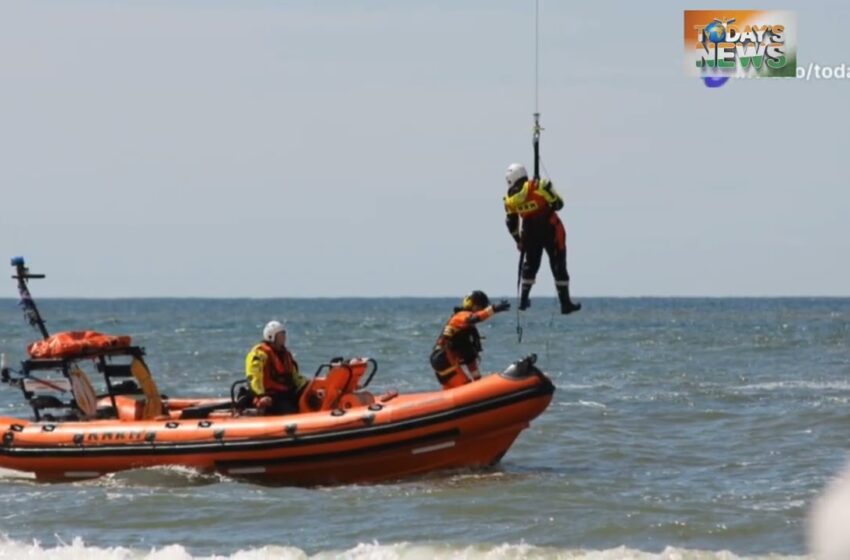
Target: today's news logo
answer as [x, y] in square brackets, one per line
[741, 43]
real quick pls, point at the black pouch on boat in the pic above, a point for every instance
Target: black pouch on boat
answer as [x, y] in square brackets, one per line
[439, 360]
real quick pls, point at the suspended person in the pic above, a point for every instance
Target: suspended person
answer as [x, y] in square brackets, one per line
[531, 216]
[273, 373]
[455, 355]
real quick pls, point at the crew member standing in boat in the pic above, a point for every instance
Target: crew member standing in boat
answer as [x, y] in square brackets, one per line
[459, 344]
[535, 204]
[273, 373]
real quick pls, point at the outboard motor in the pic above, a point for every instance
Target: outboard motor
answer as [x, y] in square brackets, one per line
[522, 368]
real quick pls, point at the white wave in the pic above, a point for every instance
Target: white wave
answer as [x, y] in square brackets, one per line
[829, 520]
[587, 404]
[797, 384]
[592, 404]
[78, 550]
[580, 386]
[779, 506]
[176, 476]
[9, 473]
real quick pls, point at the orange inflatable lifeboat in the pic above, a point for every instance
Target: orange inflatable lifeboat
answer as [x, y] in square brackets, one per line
[342, 432]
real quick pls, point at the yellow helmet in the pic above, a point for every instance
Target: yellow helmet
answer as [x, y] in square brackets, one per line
[476, 299]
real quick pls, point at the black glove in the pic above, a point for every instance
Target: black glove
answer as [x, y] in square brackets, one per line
[503, 305]
[559, 203]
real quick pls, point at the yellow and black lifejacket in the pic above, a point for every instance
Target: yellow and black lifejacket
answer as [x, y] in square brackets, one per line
[533, 200]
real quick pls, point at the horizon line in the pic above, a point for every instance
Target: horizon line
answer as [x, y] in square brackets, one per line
[745, 296]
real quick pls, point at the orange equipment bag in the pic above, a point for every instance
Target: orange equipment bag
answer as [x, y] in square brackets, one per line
[73, 343]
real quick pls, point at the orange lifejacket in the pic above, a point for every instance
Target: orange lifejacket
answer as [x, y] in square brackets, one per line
[74, 343]
[279, 371]
[460, 337]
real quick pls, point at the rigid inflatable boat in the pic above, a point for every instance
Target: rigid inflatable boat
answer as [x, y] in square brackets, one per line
[343, 433]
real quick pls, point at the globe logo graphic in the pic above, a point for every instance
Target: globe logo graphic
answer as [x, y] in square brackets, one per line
[715, 32]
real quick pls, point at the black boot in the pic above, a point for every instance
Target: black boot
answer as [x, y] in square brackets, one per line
[567, 305]
[524, 302]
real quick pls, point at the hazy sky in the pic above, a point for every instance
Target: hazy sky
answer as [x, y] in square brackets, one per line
[301, 148]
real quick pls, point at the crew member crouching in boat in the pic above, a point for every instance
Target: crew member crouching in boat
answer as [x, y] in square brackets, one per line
[459, 344]
[273, 373]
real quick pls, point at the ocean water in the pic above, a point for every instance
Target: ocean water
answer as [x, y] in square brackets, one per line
[680, 429]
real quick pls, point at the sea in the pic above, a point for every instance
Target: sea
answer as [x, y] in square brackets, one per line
[680, 429]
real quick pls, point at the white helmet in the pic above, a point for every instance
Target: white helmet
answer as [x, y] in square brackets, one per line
[271, 329]
[515, 172]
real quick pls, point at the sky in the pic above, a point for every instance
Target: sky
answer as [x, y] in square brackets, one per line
[320, 149]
